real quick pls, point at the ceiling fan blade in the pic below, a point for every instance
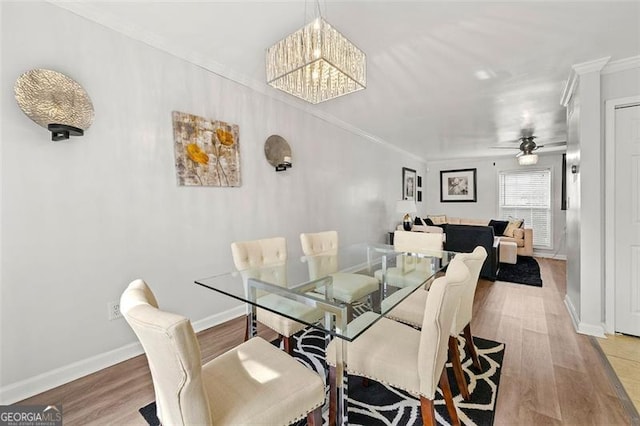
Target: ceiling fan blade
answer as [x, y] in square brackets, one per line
[554, 144]
[505, 147]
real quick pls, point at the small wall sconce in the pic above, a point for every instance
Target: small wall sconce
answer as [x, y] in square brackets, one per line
[55, 102]
[278, 152]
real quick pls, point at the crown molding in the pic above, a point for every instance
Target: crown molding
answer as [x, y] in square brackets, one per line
[576, 71]
[117, 24]
[569, 88]
[590, 66]
[621, 65]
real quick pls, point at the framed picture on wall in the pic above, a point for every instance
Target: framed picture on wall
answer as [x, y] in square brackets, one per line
[408, 184]
[458, 186]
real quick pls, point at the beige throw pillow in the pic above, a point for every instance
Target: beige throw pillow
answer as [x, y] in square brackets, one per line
[438, 220]
[512, 226]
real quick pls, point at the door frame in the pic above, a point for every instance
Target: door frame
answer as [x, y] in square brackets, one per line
[610, 207]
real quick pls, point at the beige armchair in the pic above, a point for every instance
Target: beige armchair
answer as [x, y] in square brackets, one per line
[266, 260]
[347, 287]
[254, 383]
[409, 359]
[411, 311]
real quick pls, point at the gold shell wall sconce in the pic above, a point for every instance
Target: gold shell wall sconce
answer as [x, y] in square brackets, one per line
[55, 102]
[278, 152]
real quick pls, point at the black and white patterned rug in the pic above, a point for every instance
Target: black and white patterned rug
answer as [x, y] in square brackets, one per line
[379, 404]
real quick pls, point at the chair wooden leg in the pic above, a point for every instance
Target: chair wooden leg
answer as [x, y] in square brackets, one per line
[314, 418]
[333, 396]
[288, 344]
[365, 382]
[472, 348]
[454, 357]
[246, 328]
[448, 398]
[427, 411]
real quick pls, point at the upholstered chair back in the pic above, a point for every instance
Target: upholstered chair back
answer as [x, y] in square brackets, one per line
[442, 302]
[173, 354]
[417, 242]
[474, 262]
[262, 259]
[321, 251]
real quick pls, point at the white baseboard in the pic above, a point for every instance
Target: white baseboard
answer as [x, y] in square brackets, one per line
[596, 330]
[42, 382]
[572, 311]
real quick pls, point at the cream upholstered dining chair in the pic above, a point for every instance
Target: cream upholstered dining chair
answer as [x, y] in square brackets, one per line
[412, 270]
[406, 358]
[266, 260]
[411, 310]
[347, 287]
[254, 383]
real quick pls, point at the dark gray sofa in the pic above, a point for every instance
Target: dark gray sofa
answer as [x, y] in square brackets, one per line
[465, 238]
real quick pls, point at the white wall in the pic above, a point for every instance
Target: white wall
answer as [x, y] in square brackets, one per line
[597, 82]
[573, 204]
[81, 219]
[614, 85]
[487, 192]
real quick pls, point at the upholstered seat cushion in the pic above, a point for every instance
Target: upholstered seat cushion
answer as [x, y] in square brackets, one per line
[351, 287]
[411, 310]
[287, 390]
[281, 324]
[394, 362]
[397, 277]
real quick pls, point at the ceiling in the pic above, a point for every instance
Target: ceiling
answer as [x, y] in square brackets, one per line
[424, 59]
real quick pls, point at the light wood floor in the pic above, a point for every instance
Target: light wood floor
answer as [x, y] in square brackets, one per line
[551, 375]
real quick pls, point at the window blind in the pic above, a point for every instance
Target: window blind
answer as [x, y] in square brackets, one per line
[527, 195]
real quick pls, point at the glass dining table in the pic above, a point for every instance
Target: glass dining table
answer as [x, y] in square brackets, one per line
[309, 281]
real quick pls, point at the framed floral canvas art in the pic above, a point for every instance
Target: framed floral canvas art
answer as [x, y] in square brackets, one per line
[206, 151]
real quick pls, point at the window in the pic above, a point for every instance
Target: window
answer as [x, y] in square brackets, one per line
[527, 195]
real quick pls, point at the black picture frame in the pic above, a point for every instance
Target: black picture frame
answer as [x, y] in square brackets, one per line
[419, 196]
[419, 181]
[408, 184]
[458, 186]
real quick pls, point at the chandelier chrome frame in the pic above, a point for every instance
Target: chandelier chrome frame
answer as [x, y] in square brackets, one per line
[316, 63]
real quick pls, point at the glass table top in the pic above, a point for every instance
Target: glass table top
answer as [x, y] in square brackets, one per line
[342, 292]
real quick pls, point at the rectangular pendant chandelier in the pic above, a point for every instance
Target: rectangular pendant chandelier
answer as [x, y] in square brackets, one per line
[316, 63]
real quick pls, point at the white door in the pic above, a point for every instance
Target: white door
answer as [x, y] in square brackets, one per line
[627, 220]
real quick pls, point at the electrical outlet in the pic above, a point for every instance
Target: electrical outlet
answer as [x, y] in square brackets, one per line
[113, 311]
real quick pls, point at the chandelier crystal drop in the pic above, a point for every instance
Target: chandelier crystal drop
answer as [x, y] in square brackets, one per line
[316, 63]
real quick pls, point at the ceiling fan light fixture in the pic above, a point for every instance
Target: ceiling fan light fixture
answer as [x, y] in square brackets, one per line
[528, 159]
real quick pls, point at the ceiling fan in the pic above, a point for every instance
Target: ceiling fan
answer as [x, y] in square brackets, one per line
[527, 147]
